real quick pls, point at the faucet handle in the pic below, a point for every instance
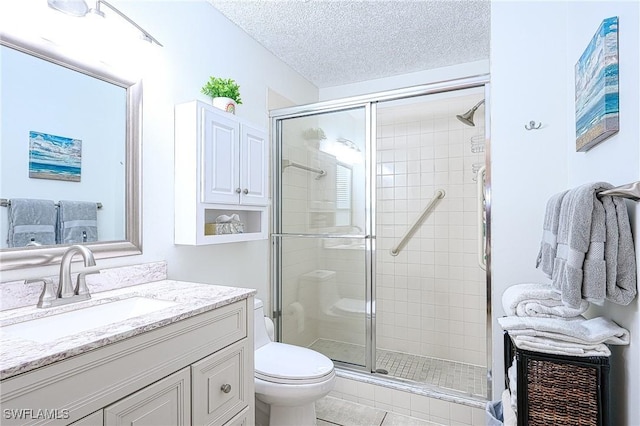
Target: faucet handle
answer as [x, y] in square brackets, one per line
[48, 293]
[81, 284]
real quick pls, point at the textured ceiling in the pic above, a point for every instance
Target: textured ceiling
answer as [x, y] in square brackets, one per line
[339, 42]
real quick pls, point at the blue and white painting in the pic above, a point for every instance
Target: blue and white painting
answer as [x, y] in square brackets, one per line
[54, 157]
[597, 105]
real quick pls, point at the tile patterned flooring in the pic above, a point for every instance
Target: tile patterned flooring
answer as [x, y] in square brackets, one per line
[458, 376]
[332, 411]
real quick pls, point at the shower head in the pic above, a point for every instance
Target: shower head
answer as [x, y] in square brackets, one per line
[467, 117]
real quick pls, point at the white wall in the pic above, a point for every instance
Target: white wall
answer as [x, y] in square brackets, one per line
[534, 48]
[453, 72]
[198, 42]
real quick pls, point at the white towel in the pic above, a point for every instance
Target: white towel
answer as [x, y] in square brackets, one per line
[512, 374]
[508, 414]
[538, 300]
[559, 347]
[577, 330]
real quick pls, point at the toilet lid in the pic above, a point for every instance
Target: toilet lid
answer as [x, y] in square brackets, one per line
[283, 363]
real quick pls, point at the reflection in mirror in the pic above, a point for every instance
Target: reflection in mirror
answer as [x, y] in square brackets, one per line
[70, 134]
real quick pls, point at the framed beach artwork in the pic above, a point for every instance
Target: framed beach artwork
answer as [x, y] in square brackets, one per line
[597, 105]
[54, 157]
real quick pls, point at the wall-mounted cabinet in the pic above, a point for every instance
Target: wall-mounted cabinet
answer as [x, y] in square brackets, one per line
[221, 169]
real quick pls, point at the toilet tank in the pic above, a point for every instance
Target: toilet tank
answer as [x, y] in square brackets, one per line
[261, 337]
[318, 288]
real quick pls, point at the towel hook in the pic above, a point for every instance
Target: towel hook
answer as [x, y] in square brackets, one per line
[532, 125]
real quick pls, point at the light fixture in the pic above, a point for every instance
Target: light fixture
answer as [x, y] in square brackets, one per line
[79, 8]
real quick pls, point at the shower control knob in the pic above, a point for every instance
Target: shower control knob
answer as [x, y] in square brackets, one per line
[238, 190]
[226, 388]
[246, 191]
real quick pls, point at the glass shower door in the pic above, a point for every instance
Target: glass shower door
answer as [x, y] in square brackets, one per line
[320, 238]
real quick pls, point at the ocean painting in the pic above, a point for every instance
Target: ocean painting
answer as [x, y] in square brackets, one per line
[597, 106]
[54, 157]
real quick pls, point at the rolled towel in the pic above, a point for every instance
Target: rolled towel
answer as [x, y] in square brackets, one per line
[548, 246]
[77, 222]
[538, 300]
[577, 330]
[31, 222]
[559, 347]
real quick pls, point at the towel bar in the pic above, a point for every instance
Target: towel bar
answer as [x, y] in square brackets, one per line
[630, 191]
[6, 203]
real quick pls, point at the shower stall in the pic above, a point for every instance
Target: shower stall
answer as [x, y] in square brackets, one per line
[379, 235]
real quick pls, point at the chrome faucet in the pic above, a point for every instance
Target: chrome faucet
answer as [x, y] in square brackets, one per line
[64, 286]
[66, 292]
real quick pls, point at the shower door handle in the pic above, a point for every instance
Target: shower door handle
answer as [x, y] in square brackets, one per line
[482, 256]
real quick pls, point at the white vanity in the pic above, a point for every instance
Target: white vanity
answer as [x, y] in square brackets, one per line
[161, 353]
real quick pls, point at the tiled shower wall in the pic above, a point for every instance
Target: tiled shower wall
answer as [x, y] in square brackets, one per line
[431, 298]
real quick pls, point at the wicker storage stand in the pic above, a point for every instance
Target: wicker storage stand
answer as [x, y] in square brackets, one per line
[558, 389]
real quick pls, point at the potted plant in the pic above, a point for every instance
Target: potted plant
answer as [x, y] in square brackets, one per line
[224, 92]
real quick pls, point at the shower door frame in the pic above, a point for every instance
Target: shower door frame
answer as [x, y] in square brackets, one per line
[369, 102]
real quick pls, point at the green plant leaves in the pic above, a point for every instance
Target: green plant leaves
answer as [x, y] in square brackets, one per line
[221, 87]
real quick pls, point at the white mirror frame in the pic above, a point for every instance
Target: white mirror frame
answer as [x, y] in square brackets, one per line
[132, 244]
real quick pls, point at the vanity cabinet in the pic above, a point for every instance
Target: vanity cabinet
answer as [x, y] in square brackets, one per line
[221, 168]
[196, 371]
[163, 403]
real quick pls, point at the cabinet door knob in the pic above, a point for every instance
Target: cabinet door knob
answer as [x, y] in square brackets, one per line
[226, 388]
[238, 190]
[246, 191]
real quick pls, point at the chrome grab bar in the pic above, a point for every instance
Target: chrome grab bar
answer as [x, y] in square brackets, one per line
[423, 215]
[289, 163]
[482, 257]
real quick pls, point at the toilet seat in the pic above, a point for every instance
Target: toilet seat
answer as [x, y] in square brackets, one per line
[350, 307]
[289, 364]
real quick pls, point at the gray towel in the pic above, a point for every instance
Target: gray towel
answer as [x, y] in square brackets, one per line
[547, 253]
[31, 222]
[619, 252]
[595, 257]
[77, 222]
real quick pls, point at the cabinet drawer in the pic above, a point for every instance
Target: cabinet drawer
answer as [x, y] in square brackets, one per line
[163, 403]
[220, 385]
[241, 419]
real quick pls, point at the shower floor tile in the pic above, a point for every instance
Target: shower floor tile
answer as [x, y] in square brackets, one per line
[453, 375]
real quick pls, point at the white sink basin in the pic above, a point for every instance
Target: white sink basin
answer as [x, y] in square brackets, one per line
[50, 328]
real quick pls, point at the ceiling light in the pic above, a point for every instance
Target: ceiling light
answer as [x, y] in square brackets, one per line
[79, 8]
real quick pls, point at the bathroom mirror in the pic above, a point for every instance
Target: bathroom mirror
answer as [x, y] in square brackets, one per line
[92, 103]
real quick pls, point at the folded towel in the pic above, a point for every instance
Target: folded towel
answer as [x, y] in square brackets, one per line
[547, 254]
[77, 222]
[577, 330]
[538, 300]
[559, 347]
[31, 222]
[595, 257]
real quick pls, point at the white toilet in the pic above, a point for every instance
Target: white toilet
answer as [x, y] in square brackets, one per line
[288, 379]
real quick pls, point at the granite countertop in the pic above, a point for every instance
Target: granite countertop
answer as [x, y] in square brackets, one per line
[18, 355]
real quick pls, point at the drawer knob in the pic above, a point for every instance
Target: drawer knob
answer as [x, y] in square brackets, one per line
[238, 190]
[246, 191]
[226, 388]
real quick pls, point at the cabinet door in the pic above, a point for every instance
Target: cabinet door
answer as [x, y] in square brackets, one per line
[220, 385]
[166, 402]
[254, 166]
[93, 419]
[220, 154]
